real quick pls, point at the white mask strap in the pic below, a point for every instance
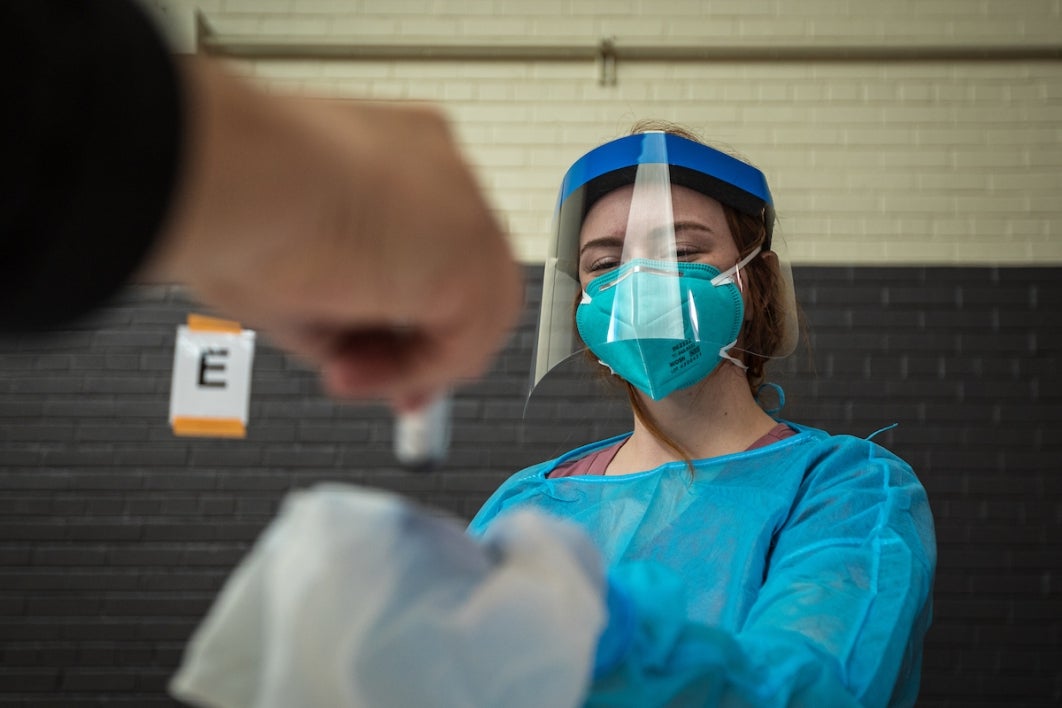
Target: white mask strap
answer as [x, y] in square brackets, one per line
[728, 275]
[724, 353]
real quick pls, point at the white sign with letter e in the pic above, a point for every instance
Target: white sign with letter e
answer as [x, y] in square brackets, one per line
[211, 378]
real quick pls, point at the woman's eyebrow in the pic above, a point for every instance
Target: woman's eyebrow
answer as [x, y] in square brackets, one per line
[601, 242]
[616, 241]
[693, 226]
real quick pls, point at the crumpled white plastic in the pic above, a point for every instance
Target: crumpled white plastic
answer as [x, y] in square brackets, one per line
[354, 597]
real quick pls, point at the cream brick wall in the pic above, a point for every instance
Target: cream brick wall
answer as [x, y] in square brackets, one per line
[942, 162]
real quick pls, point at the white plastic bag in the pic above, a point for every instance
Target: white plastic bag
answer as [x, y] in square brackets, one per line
[357, 598]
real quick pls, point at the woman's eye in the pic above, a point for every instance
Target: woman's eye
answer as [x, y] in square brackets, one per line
[602, 264]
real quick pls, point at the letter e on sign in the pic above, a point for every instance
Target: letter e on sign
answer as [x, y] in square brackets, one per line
[211, 385]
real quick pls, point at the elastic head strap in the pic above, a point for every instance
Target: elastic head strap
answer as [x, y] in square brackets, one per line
[729, 275]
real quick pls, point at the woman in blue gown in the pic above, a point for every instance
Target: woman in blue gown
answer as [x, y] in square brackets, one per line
[750, 560]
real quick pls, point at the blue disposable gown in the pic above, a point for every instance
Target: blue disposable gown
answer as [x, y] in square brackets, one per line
[795, 574]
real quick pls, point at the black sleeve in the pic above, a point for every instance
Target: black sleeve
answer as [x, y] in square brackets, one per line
[90, 139]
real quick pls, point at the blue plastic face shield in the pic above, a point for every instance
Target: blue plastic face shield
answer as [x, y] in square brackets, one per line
[617, 215]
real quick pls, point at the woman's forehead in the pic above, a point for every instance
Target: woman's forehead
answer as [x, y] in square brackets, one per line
[609, 214]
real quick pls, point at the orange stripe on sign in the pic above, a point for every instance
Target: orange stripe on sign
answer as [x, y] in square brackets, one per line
[209, 427]
[202, 323]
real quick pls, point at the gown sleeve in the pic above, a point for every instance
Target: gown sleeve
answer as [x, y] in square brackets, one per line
[90, 136]
[839, 619]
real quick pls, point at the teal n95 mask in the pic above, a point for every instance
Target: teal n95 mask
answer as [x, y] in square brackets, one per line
[686, 320]
[634, 278]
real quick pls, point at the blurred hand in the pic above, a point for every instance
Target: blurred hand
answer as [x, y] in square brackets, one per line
[352, 234]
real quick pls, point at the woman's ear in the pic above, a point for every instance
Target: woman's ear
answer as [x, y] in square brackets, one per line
[785, 302]
[771, 260]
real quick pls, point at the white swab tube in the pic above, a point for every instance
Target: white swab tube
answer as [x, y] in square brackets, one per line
[422, 438]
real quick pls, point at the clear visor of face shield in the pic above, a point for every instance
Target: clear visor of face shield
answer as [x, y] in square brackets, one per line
[616, 220]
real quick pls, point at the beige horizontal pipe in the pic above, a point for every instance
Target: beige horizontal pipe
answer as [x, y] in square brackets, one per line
[303, 47]
[330, 48]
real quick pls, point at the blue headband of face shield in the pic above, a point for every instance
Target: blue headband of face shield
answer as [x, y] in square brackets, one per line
[704, 169]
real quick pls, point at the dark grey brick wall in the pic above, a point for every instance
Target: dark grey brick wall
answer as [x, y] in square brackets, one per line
[114, 535]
